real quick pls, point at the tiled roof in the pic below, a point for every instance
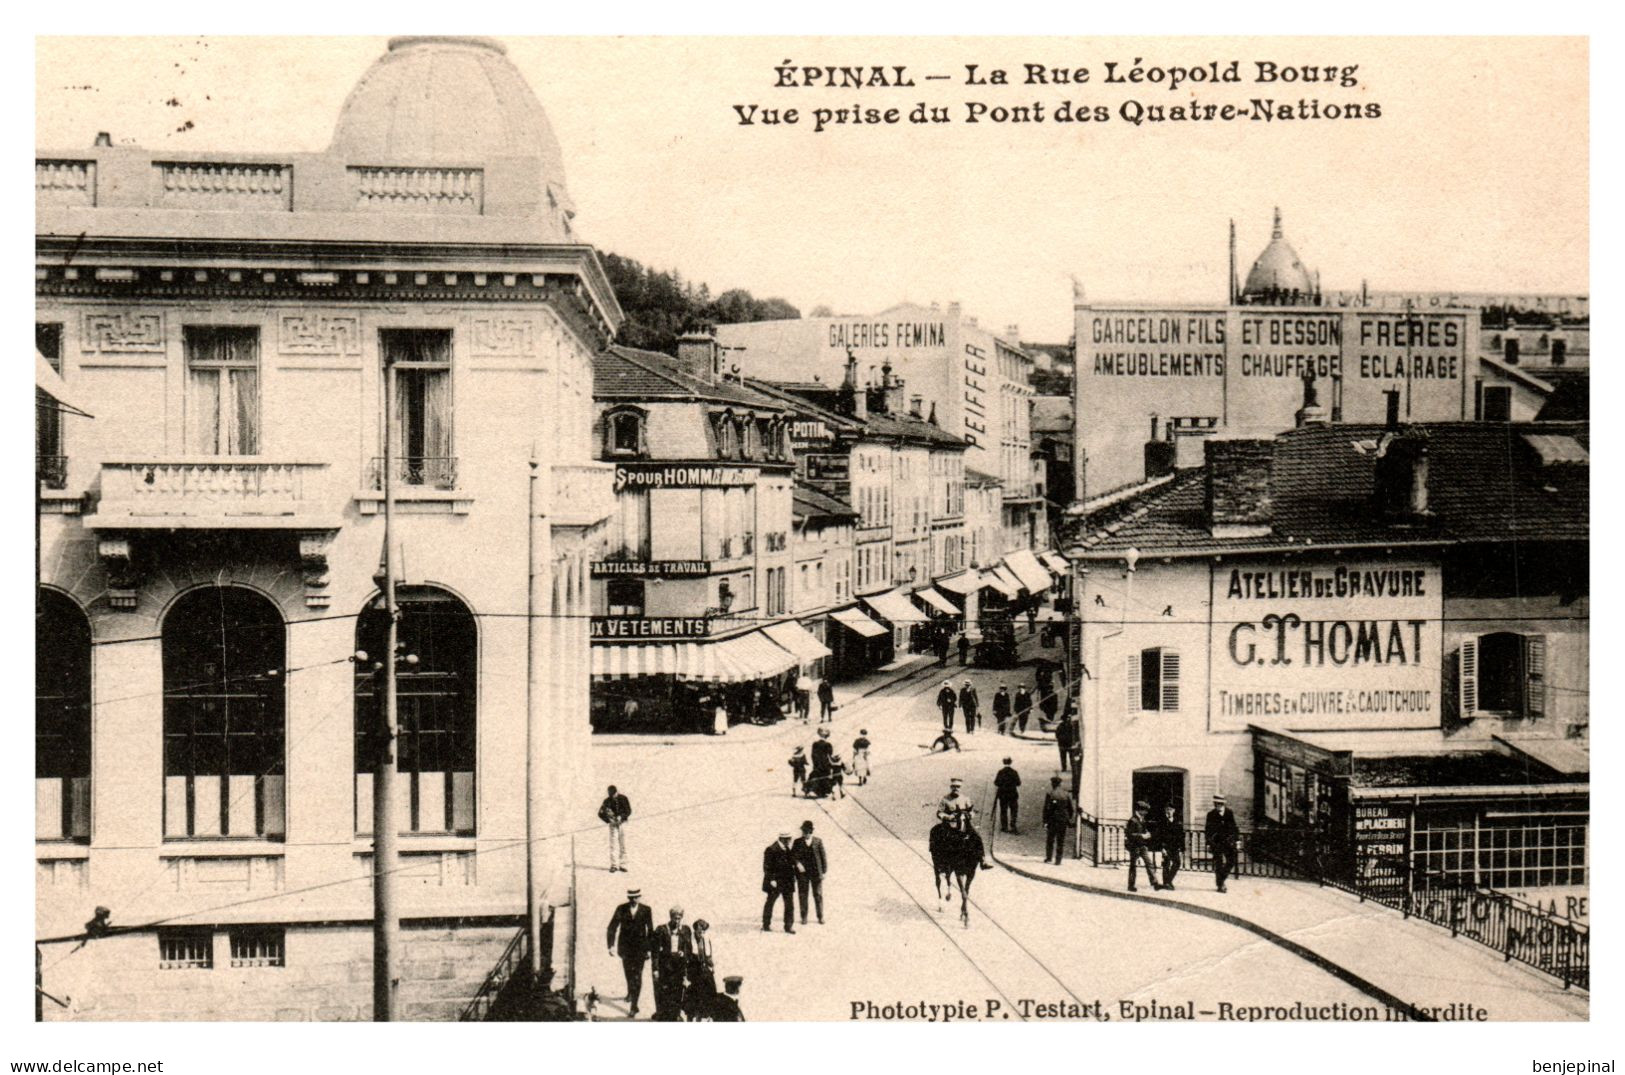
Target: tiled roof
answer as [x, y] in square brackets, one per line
[1486, 482]
[977, 477]
[627, 373]
[874, 424]
[811, 503]
[908, 427]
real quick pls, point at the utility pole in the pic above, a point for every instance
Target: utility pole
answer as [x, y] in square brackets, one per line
[538, 640]
[385, 818]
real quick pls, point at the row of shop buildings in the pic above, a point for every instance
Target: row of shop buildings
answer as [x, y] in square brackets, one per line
[770, 534]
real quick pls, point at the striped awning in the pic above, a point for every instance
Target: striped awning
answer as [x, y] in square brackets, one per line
[931, 597]
[1002, 580]
[1026, 568]
[740, 659]
[855, 620]
[801, 643]
[1056, 563]
[897, 608]
[966, 582]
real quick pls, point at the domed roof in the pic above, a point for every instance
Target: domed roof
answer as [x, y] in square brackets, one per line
[447, 100]
[1278, 272]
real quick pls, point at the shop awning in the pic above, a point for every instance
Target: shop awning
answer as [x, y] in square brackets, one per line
[730, 660]
[50, 382]
[1056, 563]
[1026, 568]
[801, 642]
[855, 620]
[931, 597]
[966, 582]
[897, 608]
[1003, 581]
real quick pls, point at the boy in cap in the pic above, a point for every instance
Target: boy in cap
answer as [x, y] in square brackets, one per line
[798, 771]
[1137, 840]
[1222, 838]
[726, 1007]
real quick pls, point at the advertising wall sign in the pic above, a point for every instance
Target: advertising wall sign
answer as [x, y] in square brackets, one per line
[649, 628]
[664, 569]
[1345, 645]
[681, 476]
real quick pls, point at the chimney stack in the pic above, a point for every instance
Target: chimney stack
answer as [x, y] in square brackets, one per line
[1392, 397]
[1239, 502]
[1013, 334]
[916, 406]
[859, 394]
[1311, 413]
[104, 139]
[699, 354]
[891, 390]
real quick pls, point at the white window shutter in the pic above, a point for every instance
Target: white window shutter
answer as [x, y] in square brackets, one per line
[1170, 681]
[1117, 796]
[1203, 787]
[1534, 676]
[1134, 682]
[1469, 677]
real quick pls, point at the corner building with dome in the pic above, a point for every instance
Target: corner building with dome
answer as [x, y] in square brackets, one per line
[210, 545]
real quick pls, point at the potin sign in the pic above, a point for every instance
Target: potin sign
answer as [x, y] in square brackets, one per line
[1350, 645]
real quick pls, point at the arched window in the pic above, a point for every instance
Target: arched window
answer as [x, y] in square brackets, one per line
[623, 432]
[61, 719]
[436, 706]
[224, 655]
[727, 433]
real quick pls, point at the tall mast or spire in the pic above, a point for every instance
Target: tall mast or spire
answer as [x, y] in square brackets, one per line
[1235, 286]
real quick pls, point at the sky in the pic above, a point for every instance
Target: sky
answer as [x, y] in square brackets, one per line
[1474, 178]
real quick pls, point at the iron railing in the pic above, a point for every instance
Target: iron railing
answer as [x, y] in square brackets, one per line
[52, 470]
[432, 471]
[513, 958]
[1515, 929]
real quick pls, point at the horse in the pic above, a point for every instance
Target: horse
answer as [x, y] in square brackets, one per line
[956, 853]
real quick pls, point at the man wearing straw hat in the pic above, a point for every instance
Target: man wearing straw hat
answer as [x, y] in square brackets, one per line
[630, 932]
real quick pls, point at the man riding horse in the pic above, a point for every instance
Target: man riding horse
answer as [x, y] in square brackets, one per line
[957, 851]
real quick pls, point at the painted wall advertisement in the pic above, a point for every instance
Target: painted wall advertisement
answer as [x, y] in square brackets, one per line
[1344, 645]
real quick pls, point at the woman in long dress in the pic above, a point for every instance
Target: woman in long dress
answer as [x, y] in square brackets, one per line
[822, 751]
[860, 756]
[701, 993]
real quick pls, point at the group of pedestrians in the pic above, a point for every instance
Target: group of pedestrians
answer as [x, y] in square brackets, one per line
[1166, 836]
[823, 772]
[793, 870]
[682, 962]
[965, 702]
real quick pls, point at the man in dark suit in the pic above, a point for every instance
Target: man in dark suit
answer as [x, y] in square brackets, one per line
[1057, 816]
[968, 702]
[670, 946]
[615, 811]
[1001, 709]
[726, 1007]
[1007, 796]
[630, 931]
[812, 867]
[1170, 840]
[946, 701]
[1222, 837]
[1065, 737]
[779, 869]
[1137, 840]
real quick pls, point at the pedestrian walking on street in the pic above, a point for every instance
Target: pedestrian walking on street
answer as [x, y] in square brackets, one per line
[670, 946]
[803, 694]
[968, 705]
[812, 867]
[946, 701]
[837, 777]
[615, 811]
[1032, 621]
[719, 719]
[1137, 841]
[1170, 837]
[1001, 709]
[826, 701]
[1043, 679]
[726, 1009]
[942, 649]
[1023, 707]
[964, 649]
[1048, 703]
[1057, 816]
[631, 931]
[700, 995]
[860, 757]
[1222, 837]
[779, 870]
[1065, 738]
[822, 751]
[1007, 797]
[798, 771]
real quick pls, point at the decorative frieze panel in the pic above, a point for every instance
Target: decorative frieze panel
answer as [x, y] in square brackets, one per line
[59, 182]
[502, 337]
[319, 334]
[124, 332]
[420, 190]
[226, 875]
[224, 185]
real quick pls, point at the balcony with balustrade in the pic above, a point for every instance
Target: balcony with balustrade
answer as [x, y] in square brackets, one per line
[213, 492]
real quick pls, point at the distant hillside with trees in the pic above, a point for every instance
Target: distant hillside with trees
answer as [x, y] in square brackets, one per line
[660, 305]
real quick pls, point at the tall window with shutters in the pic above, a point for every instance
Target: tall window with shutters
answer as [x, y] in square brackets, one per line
[421, 418]
[1153, 680]
[1503, 674]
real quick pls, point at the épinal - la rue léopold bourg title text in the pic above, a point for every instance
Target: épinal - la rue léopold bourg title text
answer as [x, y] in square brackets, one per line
[1136, 93]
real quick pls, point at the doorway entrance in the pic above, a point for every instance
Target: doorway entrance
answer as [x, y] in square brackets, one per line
[1159, 786]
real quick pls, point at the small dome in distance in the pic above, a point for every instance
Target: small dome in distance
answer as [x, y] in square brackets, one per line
[1278, 276]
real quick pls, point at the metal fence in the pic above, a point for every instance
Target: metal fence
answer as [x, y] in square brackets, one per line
[1515, 929]
[513, 957]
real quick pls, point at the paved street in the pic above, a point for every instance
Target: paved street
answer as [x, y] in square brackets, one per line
[705, 808]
